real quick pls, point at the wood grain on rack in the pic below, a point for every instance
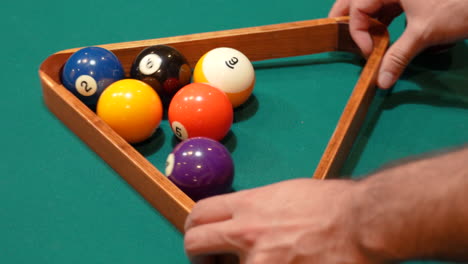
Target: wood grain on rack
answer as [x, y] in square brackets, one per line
[355, 111]
[258, 43]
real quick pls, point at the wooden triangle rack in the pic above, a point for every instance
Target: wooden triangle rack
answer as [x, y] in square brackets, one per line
[258, 43]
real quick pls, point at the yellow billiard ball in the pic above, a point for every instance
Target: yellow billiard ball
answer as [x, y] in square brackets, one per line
[131, 108]
[228, 70]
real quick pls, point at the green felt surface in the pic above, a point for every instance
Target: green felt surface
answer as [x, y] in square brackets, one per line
[62, 204]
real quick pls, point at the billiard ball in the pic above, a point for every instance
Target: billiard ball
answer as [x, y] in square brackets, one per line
[200, 167]
[200, 110]
[162, 67]
[89, 71]
[229, 70]
[131, 108]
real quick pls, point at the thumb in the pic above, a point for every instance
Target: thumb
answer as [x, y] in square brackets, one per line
[397, 58]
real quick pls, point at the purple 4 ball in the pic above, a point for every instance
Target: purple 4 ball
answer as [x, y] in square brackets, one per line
[200, 167]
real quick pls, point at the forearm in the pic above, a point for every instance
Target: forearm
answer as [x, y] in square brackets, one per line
[416, 210]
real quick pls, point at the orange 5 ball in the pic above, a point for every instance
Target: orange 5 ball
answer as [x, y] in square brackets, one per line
[200, 110]
[131, 108]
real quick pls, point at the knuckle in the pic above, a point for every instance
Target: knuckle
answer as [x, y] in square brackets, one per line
[257, 261]
[399, 58]
[246, 236]
[198, 205]
[196, 216]
[190, 242]
[260, 258]
[194, 219]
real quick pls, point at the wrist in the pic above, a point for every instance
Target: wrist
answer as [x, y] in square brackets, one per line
[370, 237]
[415, 210]
[384, 216]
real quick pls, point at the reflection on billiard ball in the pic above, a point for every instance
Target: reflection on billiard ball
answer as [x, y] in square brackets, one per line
[200, 167]
[229, 70]
[162, 67]
[89, 71]
[200, 110]
[131, 108]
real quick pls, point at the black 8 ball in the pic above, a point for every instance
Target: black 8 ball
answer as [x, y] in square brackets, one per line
[162, 67]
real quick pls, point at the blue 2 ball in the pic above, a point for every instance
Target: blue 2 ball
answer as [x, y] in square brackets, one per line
[89, 71]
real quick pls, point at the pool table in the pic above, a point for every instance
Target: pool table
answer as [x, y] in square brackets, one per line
[63, 203]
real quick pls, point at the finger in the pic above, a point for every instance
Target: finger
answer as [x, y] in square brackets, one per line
[361, 13]
[209, 239]
[277, 256]
[397, 58]
[213, 209]
[340, 8]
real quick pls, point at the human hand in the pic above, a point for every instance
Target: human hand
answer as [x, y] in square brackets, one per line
[430, 22]
[296, 221]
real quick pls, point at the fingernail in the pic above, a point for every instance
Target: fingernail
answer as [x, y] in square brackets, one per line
[386, 80]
